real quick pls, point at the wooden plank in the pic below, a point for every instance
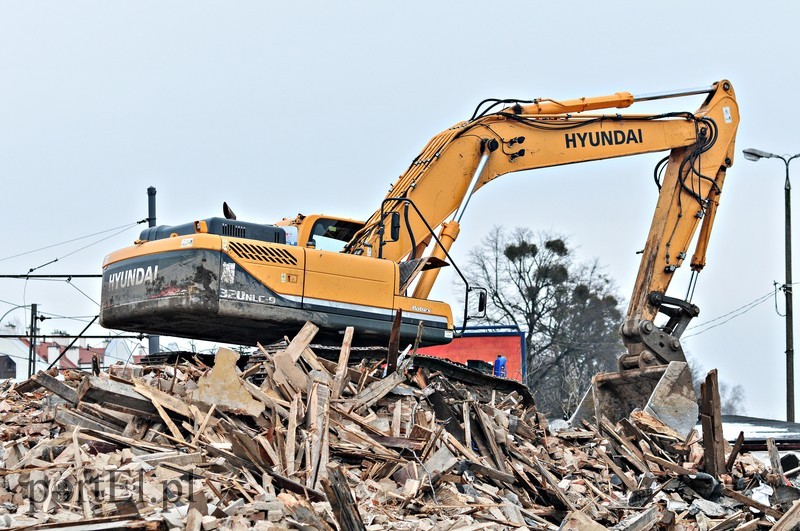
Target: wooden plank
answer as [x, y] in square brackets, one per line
[193, 520]
[125, 442]
[310, 357]
[105, 523]
[729, 523]
[105, 415]
[456, 445]
[465, 408]
[444, 413]
[399, 442]
[318, 418]
[287, 366]
[397, 416]
[377, 390]
[345, 509]
[172, 458]
[631, 484]
[269, 449]
[166, 400]
[274, 403]
[281, 480]
[629, 451]
[340, 379]
[553, 484]
[360, 421]
[750, 502]
[303, 513]
[642, 521]
[394, 342]
[69, 418]
[266, 366]
[790, 520]
[56, 387]
[291, 435]
[486, 427]
[173, 429]
[203, 425]
[737, 446]
[774, 457]
[719, 436]
[574, 434]
[299, 342]
[84, 493]
[117, 396]
[669, 465]
[489, 472]
[711, 419]
[365, 439]
[577, 521]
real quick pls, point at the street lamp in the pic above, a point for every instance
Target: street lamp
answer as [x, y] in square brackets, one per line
[756, 155]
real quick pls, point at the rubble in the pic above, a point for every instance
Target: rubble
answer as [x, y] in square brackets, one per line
[300, 442]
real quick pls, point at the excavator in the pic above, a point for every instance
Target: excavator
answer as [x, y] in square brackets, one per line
[222, 279]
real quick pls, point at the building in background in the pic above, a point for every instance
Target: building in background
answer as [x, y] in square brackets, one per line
[78, 356]
[14, 352]
[479, 346]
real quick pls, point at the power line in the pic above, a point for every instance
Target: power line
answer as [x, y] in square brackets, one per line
[82, 293]
[126, 226]
[31, 270]
[732, 315]
[759, 299]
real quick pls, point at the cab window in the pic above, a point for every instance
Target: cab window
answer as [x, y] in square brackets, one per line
[333, 234]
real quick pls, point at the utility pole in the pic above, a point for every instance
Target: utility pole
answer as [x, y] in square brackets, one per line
[154, 342]
[755, 155]
[32, 348]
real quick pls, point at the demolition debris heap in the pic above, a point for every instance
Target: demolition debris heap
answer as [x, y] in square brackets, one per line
[295, 441]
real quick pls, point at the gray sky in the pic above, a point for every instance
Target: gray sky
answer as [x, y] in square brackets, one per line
[287, 107]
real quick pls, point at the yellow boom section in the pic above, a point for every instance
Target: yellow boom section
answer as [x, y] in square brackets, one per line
[459, 161]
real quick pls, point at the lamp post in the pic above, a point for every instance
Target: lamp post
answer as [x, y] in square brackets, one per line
[755, 155]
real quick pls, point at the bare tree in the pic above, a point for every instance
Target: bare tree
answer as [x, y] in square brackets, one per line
[568, 310]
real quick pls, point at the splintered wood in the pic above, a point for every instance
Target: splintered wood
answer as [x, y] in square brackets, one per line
[296, 441]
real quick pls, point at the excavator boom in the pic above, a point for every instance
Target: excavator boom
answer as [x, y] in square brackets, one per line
[461, 160]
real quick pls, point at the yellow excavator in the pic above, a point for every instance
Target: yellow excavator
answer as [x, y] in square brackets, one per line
[226, 280]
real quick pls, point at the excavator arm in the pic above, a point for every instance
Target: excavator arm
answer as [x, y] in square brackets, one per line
[459, 161]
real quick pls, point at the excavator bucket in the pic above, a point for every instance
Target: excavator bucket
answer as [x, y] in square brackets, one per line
[665, 392]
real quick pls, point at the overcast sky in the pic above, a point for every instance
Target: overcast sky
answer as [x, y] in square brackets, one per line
[316, 107]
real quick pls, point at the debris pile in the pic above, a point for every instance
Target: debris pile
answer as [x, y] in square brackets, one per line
[301, 442]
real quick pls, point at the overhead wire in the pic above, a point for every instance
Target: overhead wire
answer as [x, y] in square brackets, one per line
[80, 249]
[126, 226]
[82, 292]
[707, 325]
